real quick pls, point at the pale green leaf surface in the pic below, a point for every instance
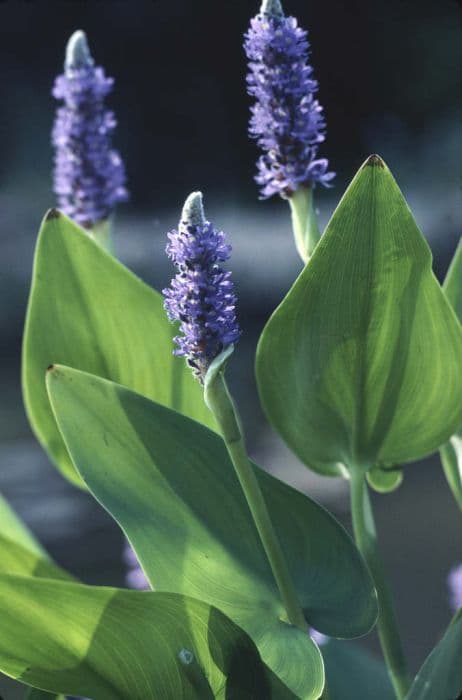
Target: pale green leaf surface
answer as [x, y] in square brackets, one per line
[360, 364]
[18, 559]
[440, 678]
[13, 528]
[354, 674]
[110, 644]
[451, 453]
[89, 311]
[170, 484]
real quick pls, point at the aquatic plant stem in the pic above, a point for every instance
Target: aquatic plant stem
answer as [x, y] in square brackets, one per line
[304, 222]
[366, 539]
[221, 404]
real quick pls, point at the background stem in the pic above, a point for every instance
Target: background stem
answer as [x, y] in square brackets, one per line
[221, 404]
[366, 539]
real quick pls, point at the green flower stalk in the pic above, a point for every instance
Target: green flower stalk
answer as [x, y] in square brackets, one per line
[202, 298]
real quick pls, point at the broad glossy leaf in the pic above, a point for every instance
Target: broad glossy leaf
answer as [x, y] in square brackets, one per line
[13, 528]
[89, 311]
[360, 364]
[451, 453]
[440, 678]
[110, 644]
[354, 674]
[17, 559]
[170, 484]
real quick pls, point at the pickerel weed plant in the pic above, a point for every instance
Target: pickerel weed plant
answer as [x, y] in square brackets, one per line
[253, 589]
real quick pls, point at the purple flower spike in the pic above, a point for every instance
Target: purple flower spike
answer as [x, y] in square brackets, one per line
[201, 296]
[89, 176]
[455, 587]
[287, 121]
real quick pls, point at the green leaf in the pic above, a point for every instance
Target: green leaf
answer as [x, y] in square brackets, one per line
[87, 310]
[361, 363]
[12, 527]
[440, 678]
[17, 559]
[35, 694]
[451, 453]
[354, 674]
[111, 644]
[170, 484]
[384, 480]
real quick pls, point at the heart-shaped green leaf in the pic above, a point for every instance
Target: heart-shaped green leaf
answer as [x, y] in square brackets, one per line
[451, 453]
[361, 363]
[354, 674]
[110, 644]
[170, 484]
[89, 311]
[440, 678]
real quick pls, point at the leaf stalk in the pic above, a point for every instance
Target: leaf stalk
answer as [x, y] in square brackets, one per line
[366, 540]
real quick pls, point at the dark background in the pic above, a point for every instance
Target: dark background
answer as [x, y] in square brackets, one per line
[390, 79]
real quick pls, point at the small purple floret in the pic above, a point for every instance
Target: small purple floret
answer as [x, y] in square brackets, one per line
[201, 296]
[89, 175]
[455, 587]
[287, 121]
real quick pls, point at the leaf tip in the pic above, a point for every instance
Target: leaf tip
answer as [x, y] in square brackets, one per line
[52, 214]
[374, 161]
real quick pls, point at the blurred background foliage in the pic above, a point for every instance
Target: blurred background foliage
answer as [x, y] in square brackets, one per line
[389, 75]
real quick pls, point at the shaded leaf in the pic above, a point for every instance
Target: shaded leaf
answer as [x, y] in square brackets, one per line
[170, 484]
[360, 364]
[89, 311]
[440, 678]
[110, 644]
[354, 674]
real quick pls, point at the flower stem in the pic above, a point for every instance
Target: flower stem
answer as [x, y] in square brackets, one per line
[221, 404]
[366, 539]
[304, 222]
[101, 232]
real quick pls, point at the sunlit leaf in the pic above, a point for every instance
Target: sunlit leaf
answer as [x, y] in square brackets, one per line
[110, 644]
[89, 311]
[13, 528]
[170, 484]
[361, 362]
[451, 453]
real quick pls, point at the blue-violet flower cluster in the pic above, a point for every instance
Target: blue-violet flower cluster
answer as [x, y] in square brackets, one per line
[201, 296]
[287, 121]
[89, 176]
